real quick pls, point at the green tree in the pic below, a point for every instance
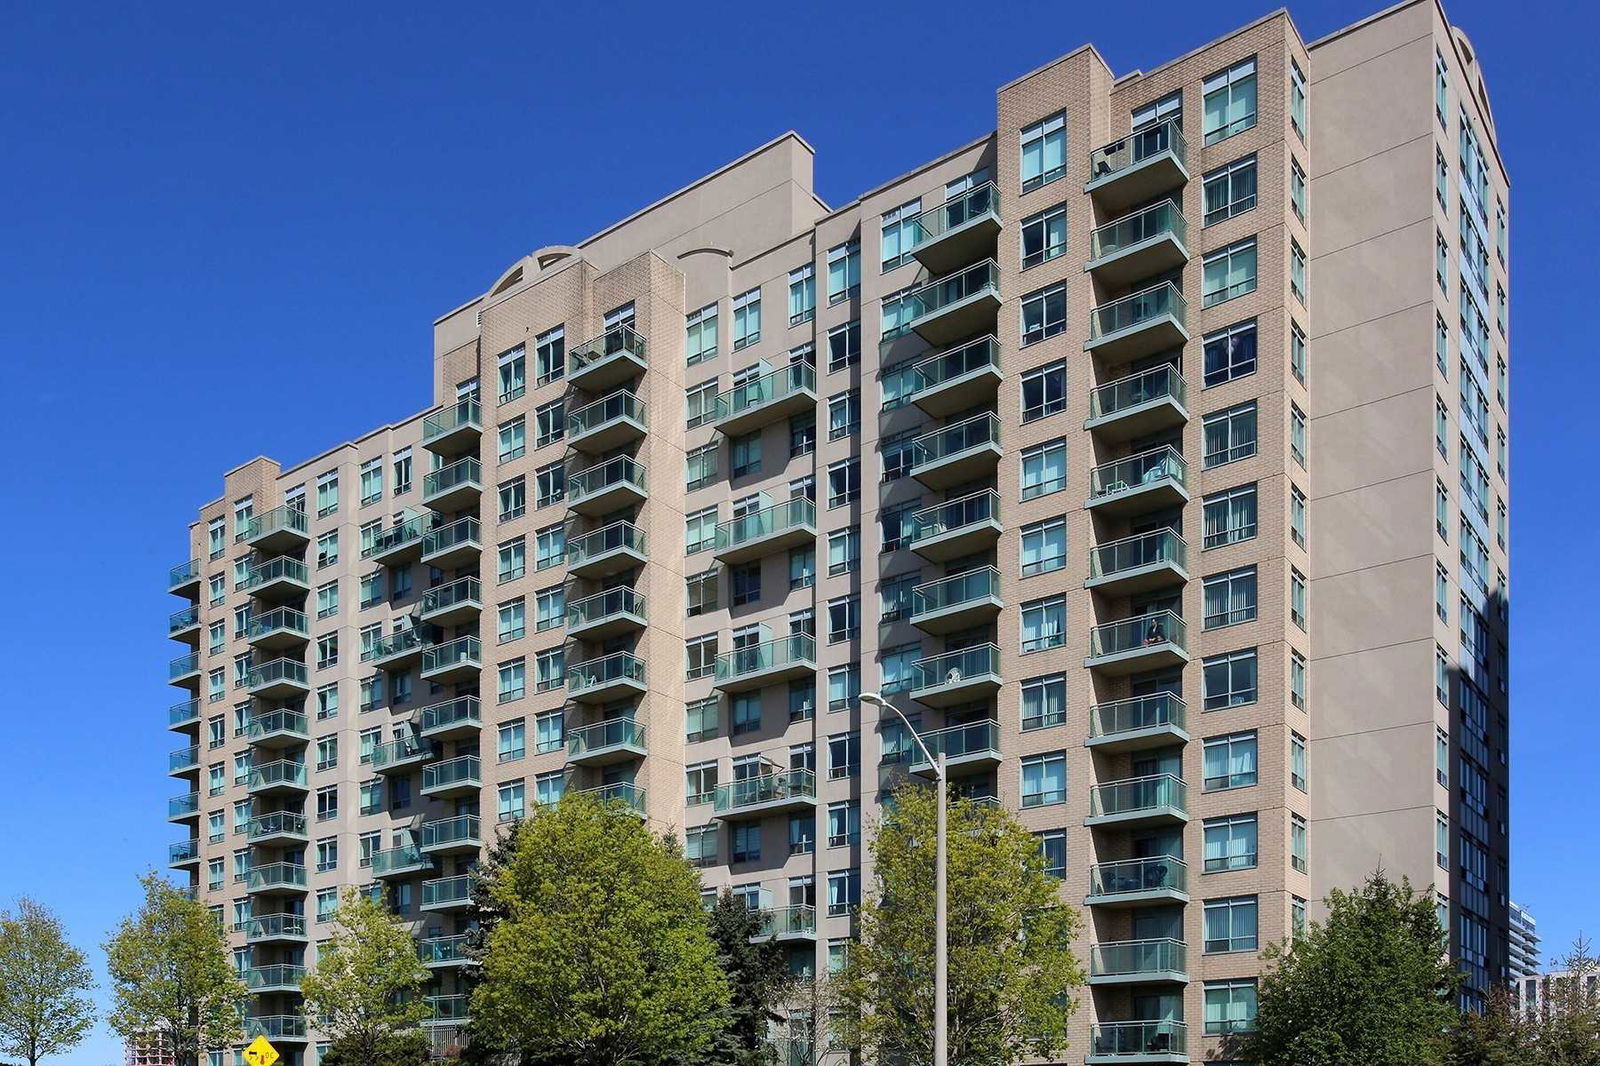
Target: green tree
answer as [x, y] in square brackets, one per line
[1562, 1030]
[603, 956]
[1500, 1035]
[44, 981]
[367, 985]
[758, 977]
[1012, 971]
[1370, 985]
[170, 973]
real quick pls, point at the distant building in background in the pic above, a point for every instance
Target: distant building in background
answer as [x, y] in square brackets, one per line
[1523, 956]
[1532, 989]
[150, 1049]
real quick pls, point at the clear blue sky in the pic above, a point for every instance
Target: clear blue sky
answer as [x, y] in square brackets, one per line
[193, 194]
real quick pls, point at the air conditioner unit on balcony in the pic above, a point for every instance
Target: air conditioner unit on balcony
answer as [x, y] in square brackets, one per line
[953, 676]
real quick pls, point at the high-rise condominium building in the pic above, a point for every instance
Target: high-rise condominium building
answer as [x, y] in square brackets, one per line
[1523, 944]
[1149, 452]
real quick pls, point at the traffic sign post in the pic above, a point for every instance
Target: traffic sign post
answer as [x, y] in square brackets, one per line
[260, 1053]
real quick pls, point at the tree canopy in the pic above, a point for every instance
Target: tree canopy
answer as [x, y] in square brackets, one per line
[367, 984]
[45, 1008]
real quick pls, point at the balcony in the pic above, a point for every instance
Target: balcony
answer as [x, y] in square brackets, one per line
[1134, 326]
[767, 663]
[277, 629]
[458, 834]
[1157, 720]
[774, 793]
[611, 741]
[184, 579]
[1150, 241]
[973, 746]
[1150, 481]
[404, 861]
[955, 603]
[958, 231]
[280, 530]
[608, 614]
[278, 679]
[785, 525]
[184, 807]
[610, 486]
[399, 544]
[606, 361]
[183, 714]
[1138, 962]
[1138, 563]
[453, 487]
[1159, 799]
[448, 605]
[281, 728]
[1139, 404]
[1134, 645]
[438, 952]
[288, 1027]
[1140, 166]
[957, 454]
[607, 424]
[1137, 882]
[448, 1010]
[1138, 1042]
[400, 755]
[278, 579]
[957, 379]
[282, 977]
[278, 829]
[461, 776]
[606, 551]
[447, 893]
[400, 648]
[956, 676]
[276, 929]
[183, 761]
[957, 305]
[797, 922]
[455, 430]
[628, 794]
[183, 855]
[283, 777]
[184, 671]
[772, 397]
[615, 676]
[456, 660]
[453, 718]
[457, 544]
[276, 877]
[184, 624]
[956, 528]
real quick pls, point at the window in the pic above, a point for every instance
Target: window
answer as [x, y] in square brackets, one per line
[1230, 761]
[844, 272]
[746, 318]
[1230, 190]
[217, 537]
[1044, 313]
[745, 714]
[1297, 598]
[513, 498]
[549, 787]
[897, 452]
[844, 619]
[744, 581]
[844, 414]
[1230, 598]
[1044, 468]
[844, 482]
[1297, 679]
[1441, 757]
[1053, 850]
[1044, 624]
[550, 423]
[550, 484]
[1230, 353]
[327, 548]
[746, 842]
[327, 802]
[511, 801]
[1297, 516]
[701, 342]
[1230, 924]
[701, 719]
[1297, 189]
[1297, 98]
[803, 700]
[844, 551]
[1441, 179]
[802, 295]
[844, 891]
[327, 650]
[513, 373]
[894, 596]
[512, 741]
[1297, 271]
[1230, 680]
[1229, 101]
[1297, 434]
[1441, 261]
[1297, 843]
[802, 435]
[371, 474]
[1441, 86]
[549, 732]
[513, 439]
[1230, 435]
[700, 404]
[1228, 273]
[895, 523]
[550, 354]
[700, 592]
[844, 346]
[1044, 236]
[844, 824]
[1044, 779]
[700, 530]
[701, 466]
[1230, 843]
[844, 755]
[844, 686]
[512, 559]
[513, 680]
[513, 620]
[896, 668]
[1044, 546]
[899, 234]
[1230, 1006]
[802, 568]
[745, 455]
[1044, 391]
[1297, 761]
[1044, 702]
[1044, 151]
[702, 656]
[327, 701]
[1229, 516]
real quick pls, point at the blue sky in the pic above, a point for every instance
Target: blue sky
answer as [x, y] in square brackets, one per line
[194, 194]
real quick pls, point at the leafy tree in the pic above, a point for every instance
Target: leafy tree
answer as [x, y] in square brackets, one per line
[367, 984]
[1370, 985]
[170, 973]
[1501, 1035]
[1562, 1030]
[44, 1009]
[1012, 970]
[604, 956]
[758, 981]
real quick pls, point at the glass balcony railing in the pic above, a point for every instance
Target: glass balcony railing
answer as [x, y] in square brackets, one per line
[458, 593]
[407, 858]
[284, 519]
[614, 733]
[463, 770]
[183, 665]
[398, 643]
[956, 212]
[1138, 1041]
[954, 514]
[276, 824]
[185, 712]
[958, 362]
[184, 851]
[184, 618]
[609, 604]
[443, 950]
[1138, 309]
[463, 531]
[279, 620]
[792, 650]
[943, 443]
[276, 875]
[1161, 873]
[1142, 631]
[950, 290]
[184, 759]
[1125, 394]
[284, 772]
[447, 891]
[462, 472]
[1131, 957]
[1160, 546]
[273, 571]
[458, 713]
[626, 793]
[954, 667]
[974, 586]
[616, 341]
[609, 474]
[280, 722]
[448, 1008]
[280, 975]
[463, 651]
[1158, 220]
[1147, 468]
[768, 388]
[618, 405]
[796, 920]
[798, 513]
[1158, 710]
[397, 536]
[184, 574]
[1137, 147]
[462, 829]
[618, 536]
[183, 806]
[276, 927]
[1137, 795]
[399, 751]
[465, 412]
[960, 742]
[278, 672]
[768, 788]
[618, 666]
[275, 1027]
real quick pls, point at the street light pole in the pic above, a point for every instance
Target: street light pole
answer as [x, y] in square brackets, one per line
[941, 934]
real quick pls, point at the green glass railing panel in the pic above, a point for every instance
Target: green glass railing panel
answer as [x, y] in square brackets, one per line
[618, 471]
[183, 851]
[291, 519]
[971, 587]
[953, 440]
[399, 750]
[1137, 1041]
[614, 667]
[774, 385]
[178, 806]
[1146, 468]
[608, 734]
[617, 341]
[275, 976]
[277, 823]
[1158, 220]
[289, 670]
[463, 827]
[607, 604]
[282, 568]
[956, 363]
[1158, 710]
[957, 212]
[1135, 553]
[1142, 631]
[1155, 792]
[973, 738]
[182, 712]
[460, 711]
[466, 411]
[956, 666]
[409, 857]
[464, 590]
[954, 514]
[280, 772]
[780, 517]
[623, 792]
[276, 875]
[183, 757]
[461, 650]
[461, 531]
[1137, 956]
[952, 289]
[443, 949]
[270, 926]
[183, 619]
[1137, 147]
[282, 618]
[183, 573]
[278, 721]
[445, 890]
[1158, 383]
[795, 649]
[466, 471]
[1161, 873]
[1138, 309]
[615, 537]
[462, 770]
[395, 644]
[765, 789]
[618, 405]
[183, 664]
[396, 536]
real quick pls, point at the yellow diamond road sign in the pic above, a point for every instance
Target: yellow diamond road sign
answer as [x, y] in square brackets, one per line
[260, 1053]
